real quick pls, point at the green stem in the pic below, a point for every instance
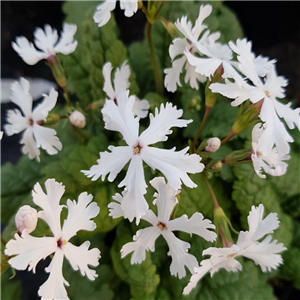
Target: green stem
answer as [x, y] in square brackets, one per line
[211, 191]
[157, 75]
[228, 137]
[207, 110]
[67, 97]
[3, 241]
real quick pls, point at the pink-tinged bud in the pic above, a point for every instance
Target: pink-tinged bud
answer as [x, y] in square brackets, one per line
[77, 119]
[213, 144]
[26, 218]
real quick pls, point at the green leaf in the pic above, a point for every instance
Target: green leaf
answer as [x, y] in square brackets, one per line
[10, 288]
[17, 181]
[142, 278]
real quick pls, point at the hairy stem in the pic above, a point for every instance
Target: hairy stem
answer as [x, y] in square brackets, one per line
[211, 191]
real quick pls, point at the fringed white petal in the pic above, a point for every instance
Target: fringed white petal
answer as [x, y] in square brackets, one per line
[121, 78]
[49, 203]
[177, 47]
[103, 12]
[192, 77]
[110, 163]
[79, 216]
[174, 165]
[17, 122]
[54, 286]
[129, 6]
[140, 108]
[46, 39]
[165, 198]
[144, 240]
[194, 225]
[265, 253]
[161, 123]
[46, 138]
[120, 117]
[205, 267]
[66, 43]
[81, 257]
[115, 210]
[204, 12]
[30, 147]
[133, 203]
[107, 87]
[259, 227]
[29, 250]
[180, 258]
[41, 111]
[274, 131]
[172, 78]
[27, 51]
[21, 96]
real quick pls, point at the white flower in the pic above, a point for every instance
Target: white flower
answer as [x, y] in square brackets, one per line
[174, 165]
[213, 144]
[268, 90]
[162, 225]
[264, 253]
[47, 42]
[26, 218]
[29, 250]
[178, 46]
[121, 83]
[104, 9]
[1, 134]
[35, 136]
[77, 119]
[272, 164]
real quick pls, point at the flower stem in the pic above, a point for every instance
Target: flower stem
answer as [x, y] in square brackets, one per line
[157, 75]
[211, 191]
[207, 110]
[67, 96]
[3, 241]
[228, 137]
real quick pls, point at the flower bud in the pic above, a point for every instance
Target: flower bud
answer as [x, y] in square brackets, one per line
[77, 119]
[26, 218]
[213, 144]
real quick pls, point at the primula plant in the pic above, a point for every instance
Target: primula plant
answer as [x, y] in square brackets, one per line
[181, 149]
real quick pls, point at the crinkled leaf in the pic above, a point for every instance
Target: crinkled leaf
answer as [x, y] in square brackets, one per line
[142, 278]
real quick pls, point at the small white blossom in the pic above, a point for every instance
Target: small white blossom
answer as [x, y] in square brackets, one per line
[26, 218]
[77, 119]
[47, 43]
[104, 9]
[268, 89]
[121, 83]
[174, 165]
[35, 136]
[178, 47]
[272, 164]
[264, 253]
[28, 250]
[213, 144]
[165, 200]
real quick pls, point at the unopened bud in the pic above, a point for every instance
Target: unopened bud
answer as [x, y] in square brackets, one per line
[26, 218]
[171, 28]
[223, 226]
[52, 119]
[213, 144]
[77, 119]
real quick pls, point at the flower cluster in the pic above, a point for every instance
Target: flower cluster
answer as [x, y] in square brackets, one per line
[232, 70]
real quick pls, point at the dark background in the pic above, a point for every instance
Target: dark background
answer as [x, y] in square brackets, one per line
[273, 27]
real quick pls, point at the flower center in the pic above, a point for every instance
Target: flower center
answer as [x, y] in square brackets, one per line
[267, 93]
[30, 122]
[116, 101]
[161, 225]
[61, 243]
[137, 149]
